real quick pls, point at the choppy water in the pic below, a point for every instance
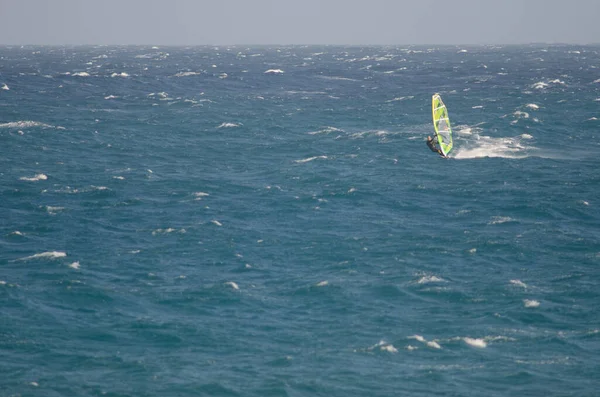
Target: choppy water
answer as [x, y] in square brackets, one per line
[268, 221]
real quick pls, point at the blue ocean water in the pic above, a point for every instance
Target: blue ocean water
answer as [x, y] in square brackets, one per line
[268, 221]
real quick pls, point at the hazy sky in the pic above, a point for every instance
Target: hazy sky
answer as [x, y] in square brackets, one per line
[189, 22]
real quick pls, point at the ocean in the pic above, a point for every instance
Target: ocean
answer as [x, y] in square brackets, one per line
[268, 221]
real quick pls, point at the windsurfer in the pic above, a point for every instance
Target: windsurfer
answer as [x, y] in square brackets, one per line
[432, 145]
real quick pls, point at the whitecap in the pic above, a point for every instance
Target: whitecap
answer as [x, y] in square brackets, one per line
[430, 279]
[24, 124]
[5, 87]
[526, 136]
[232, 284]
[326, 130]
[38, 177]
[532, 106]
[418, 337]
[74, 265]
[389, 348]
[119, 177]
[223, 76]
[530, 303]
[472, 250]
[216, 223]
[477, 107]
[122, 74]
[228, 125]
[17, 233]
[480, 343]
[81, 74]
[199, 195]
[520, 114]
[322, 283]
[518, 283]
[496, 220]
[306, 160]
[48, 254]
[53, 210]
[110, 97]
[186, 74]
[274, 71]
[434, 344]
[163, 231]
[401, 98]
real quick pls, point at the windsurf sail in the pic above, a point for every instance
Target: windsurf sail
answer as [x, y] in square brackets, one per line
[441, 124]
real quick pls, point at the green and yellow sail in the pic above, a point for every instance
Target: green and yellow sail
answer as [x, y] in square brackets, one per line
[441, 124]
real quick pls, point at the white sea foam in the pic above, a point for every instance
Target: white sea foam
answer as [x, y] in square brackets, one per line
[418, 337]
[17, 233]
[228, 125]
[530, 303]
[540, 85]
[479, 146]
[532, 106]
[389, 348]
[401, 98]
[232, 285]
[384, 346]
[199, 195]
[122, 74]
[186, 74]
[119, 177]
[322, 283]
[81, 74]
[480, 343]
[5, 87]
[477, 107]
[110, 97]
[430, 279]
[38, 177]
[53, 210]
[521, 115]
[526, 136]
[326, 130]
[472, 250]
[496, 220]
[25, 124]
[433, 344]
[306, 160]
[518, 283]
[49, 255]
[74, 265]
[223, 76]
[336, 78]
[274, 71]
[216, 223]
[167, 231]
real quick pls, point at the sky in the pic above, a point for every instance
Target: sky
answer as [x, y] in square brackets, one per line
[349, 22]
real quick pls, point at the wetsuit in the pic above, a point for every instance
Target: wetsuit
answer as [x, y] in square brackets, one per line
[434, 148]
